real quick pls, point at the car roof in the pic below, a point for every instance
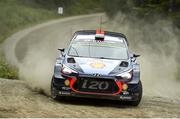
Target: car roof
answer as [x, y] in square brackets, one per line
[93, 32]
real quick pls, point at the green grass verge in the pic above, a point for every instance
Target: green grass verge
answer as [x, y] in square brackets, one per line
[7, 71]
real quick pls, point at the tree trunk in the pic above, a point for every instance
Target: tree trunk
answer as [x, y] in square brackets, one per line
[172, 5]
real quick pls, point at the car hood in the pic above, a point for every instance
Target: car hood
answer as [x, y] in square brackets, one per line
[100, 66]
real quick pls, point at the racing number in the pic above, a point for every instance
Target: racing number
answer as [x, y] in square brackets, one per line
[101, 85]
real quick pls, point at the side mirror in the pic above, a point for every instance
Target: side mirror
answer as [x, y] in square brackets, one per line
[62, 51]
[134, 55]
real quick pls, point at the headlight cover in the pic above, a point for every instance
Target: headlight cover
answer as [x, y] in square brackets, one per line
[126, 75]
[67, 70]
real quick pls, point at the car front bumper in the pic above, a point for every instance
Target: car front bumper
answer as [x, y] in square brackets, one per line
[131, 94]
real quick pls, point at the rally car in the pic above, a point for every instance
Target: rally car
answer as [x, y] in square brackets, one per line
[97, 64]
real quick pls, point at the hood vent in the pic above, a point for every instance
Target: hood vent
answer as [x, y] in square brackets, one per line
[124, 64]
[71, 60]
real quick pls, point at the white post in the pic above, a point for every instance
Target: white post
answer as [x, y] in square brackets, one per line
[60, 10]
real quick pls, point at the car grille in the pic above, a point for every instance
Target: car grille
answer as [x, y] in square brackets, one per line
[96, 85]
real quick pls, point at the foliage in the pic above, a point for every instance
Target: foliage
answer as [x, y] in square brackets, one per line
[7, 71]
[145, 8]
[84, 7]
[15, 16]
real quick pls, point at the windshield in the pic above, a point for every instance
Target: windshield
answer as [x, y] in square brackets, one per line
[99, 50]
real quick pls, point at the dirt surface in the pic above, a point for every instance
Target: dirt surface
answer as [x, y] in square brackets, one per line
[18, 100]
[34, 51]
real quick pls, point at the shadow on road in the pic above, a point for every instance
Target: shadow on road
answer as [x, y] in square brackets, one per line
[94, 102]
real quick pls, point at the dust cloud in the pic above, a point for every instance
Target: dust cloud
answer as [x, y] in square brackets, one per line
[37, 52]
[157, 43]
[37, 71]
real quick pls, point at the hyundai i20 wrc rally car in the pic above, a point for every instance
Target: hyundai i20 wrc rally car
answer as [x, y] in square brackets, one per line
[97, 64]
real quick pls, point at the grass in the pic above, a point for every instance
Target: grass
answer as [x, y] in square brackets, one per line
[7, 71]
[15, 16]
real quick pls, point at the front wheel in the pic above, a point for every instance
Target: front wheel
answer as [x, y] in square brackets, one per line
[54, 92]
[140, 91]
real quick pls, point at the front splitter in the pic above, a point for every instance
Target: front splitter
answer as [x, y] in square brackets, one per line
[110, 97]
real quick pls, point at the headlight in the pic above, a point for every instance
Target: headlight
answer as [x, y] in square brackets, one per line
[126, 75]
[67, 70]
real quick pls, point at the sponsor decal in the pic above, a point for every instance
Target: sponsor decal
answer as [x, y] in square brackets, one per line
[125, 93]
[97, 75]
[97, 65]
[95, 85]
[66, 88]
[64, 93]
[125, 97]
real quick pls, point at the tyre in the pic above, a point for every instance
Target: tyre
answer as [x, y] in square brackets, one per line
[140, 91]
[54, 92]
